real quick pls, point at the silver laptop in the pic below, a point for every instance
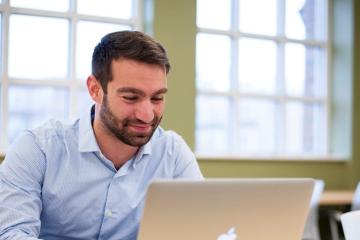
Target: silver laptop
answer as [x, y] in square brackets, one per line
[226, 209]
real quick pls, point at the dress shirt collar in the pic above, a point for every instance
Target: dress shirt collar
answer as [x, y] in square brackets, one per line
[87, 140]
[88, 143]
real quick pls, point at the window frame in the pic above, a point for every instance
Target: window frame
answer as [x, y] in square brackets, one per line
[280, 39]
[71, 82]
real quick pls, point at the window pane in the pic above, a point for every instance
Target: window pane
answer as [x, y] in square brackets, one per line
[106, 8]
[1, 79]
[258, 16]
[213, 14]
[212, 130]
[305, 70]
[38, 47]
[257, 73]
[23, 115]
[84, 102]
[213, 57]
[89, 35]
[305, 128]
[1, 50]
[58, 5]
[256, 126]
[2, 130]
[306, 19]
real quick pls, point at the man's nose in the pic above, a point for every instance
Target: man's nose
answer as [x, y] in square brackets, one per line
[145, 112]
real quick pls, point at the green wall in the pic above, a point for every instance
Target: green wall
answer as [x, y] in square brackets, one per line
[354, 165]
[175, 26]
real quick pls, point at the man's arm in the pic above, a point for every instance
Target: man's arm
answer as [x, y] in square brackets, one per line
[21, 176]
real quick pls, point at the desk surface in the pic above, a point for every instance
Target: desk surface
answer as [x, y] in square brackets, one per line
[337, 197]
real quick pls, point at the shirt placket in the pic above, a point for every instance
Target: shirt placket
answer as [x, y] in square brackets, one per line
[116, 202]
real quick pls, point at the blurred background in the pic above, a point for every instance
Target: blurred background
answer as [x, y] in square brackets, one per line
[257, 89]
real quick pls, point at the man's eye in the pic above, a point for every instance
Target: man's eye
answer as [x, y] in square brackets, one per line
[130, 98]
[157, 99]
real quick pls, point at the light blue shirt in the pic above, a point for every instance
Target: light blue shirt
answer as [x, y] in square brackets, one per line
[56, 184]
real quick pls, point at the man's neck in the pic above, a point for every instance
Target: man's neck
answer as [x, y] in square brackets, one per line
[112, 148]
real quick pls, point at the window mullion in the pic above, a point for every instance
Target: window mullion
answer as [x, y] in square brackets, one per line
[72, 86]
[281, 102]
[280, 80]
[234, 75]
[281, 110]
[138, 10]
[5, 78]
[329, 80]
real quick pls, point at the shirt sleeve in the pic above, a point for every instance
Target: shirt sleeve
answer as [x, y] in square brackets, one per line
[186, 164]
[21, 177]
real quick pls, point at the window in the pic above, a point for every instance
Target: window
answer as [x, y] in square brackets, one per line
[46, 53]
[261, 78]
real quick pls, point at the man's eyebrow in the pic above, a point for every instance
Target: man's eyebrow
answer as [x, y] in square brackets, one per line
[139, 92]
[161, 91]
[130, 90]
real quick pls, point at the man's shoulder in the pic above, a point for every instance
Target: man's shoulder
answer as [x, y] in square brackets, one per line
[46, 139]
[167, 135]
[54, 128]
[167, 139]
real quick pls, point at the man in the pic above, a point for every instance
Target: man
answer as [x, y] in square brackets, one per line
[88, 179]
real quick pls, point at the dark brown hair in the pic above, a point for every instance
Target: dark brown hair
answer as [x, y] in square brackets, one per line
[132, 45]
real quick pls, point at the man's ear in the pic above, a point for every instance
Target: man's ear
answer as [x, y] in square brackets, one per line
[94, 88]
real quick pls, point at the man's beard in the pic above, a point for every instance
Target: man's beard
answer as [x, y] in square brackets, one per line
[120, 127]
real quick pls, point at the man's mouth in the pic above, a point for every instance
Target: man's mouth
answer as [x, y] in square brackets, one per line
[143, 128]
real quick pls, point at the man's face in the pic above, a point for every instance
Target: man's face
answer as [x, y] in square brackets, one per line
[134, 104]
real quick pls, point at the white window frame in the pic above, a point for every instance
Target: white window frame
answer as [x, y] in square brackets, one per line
[71, 83]
[280, 39]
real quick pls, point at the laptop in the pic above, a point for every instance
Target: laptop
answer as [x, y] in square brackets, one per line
[226, 209]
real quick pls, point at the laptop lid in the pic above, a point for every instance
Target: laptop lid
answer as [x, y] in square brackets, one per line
[226, 209]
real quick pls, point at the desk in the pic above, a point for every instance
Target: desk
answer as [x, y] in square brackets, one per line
[332, 204]
[336, 197]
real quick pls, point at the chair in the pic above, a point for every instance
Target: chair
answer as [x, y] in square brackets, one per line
[351, 225]
[335, 216]
[311, 231]
[355, 205]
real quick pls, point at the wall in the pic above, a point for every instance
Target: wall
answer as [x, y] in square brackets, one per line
[354, 165]
[174, 26]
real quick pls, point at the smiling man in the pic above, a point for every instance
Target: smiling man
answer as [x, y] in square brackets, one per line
[88, 179]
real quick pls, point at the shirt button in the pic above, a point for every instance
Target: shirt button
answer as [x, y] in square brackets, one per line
[109, 213]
